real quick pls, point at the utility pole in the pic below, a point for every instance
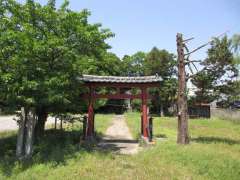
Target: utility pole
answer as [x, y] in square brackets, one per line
[182, 137]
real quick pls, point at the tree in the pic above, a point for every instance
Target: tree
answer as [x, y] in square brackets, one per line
[133, 65]
[231, 93]
[204, 83]
[111, 65]
[182, 135]
[43, 50]
[236, 49]
[163, 63]
[236, 43]
[219, 69]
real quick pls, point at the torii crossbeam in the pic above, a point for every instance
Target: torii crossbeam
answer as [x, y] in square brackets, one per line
[141, 82]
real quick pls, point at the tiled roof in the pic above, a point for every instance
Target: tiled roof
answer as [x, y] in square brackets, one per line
[119, 79]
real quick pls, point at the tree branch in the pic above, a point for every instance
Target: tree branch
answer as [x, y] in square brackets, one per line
[202, 46]
[187, 40]
[195, 66]
[192, 61]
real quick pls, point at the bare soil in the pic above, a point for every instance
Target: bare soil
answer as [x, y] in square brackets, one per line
[118, 137]
[7, 123]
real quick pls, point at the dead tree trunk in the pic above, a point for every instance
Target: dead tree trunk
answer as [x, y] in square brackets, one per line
[182, 98]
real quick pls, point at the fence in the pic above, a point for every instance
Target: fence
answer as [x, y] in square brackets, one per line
[227, 114]
[198, 111]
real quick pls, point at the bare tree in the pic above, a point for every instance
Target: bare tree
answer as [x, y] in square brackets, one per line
[183, 137]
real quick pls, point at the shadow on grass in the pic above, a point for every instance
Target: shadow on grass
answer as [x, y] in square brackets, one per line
[208, 140]
[160, 136]
[55, 148]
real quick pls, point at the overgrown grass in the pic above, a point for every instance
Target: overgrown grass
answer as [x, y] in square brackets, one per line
[214, 153]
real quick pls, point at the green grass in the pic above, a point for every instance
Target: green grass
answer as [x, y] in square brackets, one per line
[57, 149]
[214, 153]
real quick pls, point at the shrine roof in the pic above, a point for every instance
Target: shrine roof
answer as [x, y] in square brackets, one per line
[120, 79]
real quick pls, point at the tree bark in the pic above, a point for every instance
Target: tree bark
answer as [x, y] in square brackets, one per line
[162, 111]
[182, 98]
[25, 139]
[21, 130]
[30, 125]
[55, 123]
[41, 114]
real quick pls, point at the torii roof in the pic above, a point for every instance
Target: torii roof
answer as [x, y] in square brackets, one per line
[120, 79]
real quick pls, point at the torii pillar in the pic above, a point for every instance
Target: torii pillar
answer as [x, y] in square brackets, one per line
[145, 131]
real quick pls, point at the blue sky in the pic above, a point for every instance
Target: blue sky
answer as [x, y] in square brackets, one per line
[141, 24]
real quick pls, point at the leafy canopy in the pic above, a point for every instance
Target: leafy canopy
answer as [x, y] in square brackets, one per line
[44, 50]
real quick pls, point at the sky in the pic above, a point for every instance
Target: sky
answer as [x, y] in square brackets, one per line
[139, 25]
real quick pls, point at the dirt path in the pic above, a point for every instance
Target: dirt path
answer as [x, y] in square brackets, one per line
[118, 137]
[7, 123]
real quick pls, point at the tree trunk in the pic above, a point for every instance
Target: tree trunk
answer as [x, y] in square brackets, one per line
[25, 138]
[41, 114]
[182, 98]
[162, 113]
[21, 130]
[30, 125]
[55, 124]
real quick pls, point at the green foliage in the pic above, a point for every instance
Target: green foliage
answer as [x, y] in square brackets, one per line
[160, 62]
[236, 47]
[236, 43]
[110, 66]
[204, 82]
[44, 50]
[163, 63]
[220, 62]
[219, 70]
[133, 65]
[231, 90]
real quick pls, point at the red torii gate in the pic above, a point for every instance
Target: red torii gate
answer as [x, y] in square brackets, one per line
[141, 82]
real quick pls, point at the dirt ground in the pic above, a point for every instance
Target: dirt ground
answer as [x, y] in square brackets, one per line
[118, 137]
[7, 123]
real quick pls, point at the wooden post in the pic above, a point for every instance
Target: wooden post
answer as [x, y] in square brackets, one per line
[90, 124]
[150, 121]
[84, 127]
[182, 98]
[145, 114]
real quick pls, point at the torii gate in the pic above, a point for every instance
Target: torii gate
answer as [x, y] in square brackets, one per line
[141, 82]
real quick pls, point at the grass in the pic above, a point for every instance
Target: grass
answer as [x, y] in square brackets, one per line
[214, 153]
[57, 149]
